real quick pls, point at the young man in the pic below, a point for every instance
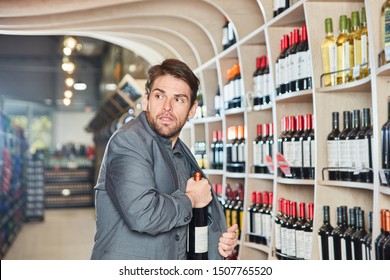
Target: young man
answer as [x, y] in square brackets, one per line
[145, 191]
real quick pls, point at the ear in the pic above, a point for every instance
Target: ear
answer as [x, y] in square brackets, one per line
[192, 111]
[145, 102]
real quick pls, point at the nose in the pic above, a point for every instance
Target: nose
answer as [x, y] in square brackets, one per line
[168, 104]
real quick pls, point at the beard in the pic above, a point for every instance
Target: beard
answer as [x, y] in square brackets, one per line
[165, 130]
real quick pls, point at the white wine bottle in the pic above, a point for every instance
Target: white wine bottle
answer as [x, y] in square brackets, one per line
[385, 33]
[342, 44]
[329, 54]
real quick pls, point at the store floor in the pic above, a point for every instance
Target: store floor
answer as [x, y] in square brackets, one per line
[65, 234]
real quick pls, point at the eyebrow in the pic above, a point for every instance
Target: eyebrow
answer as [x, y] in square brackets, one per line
[175, 95]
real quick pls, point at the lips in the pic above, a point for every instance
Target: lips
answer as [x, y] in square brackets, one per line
[166, 118]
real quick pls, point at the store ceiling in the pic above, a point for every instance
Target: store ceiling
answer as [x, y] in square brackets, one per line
[190, 30]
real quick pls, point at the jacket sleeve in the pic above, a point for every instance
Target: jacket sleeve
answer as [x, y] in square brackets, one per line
[131, 185]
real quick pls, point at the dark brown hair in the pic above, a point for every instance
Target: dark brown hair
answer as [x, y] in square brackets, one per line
[177, 69]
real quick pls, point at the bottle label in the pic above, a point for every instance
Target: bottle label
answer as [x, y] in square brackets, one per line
[297, 149]
[293, 58]
[308, 239]
[306, 153]
[291, 242]
[201, 239]
[278, 245]
[283, 231]
[364, 51]
[363, 155]
[257, 222]
[300, 245]
[332, 152]
[343, 153]
[352, 153]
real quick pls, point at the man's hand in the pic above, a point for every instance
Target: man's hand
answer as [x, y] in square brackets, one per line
[199, 192]
[228, 241]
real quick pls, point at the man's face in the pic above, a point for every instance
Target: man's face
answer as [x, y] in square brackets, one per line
[169, 106]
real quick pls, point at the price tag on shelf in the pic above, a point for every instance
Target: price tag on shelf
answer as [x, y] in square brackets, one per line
[283, 165]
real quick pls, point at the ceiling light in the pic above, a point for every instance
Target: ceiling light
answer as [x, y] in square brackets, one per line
[80, 86]
[68, 66]
[69, 82]
[66, 101]
[70, 42]
[67, 51]
[110, 87]
[68, 93]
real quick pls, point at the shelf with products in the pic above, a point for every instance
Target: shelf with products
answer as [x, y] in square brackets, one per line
[68, 182]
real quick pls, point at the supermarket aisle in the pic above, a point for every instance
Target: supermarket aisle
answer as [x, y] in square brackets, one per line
[65, 234]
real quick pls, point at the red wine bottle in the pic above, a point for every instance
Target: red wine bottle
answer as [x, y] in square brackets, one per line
[308, 144]
[283, 227]
[323, 235]
[304, 62]
[197, 247]
[352, 146]
[346, 245]
[251, 217]
[278, 219]
[364, 145]
[385, 135]
[332, 148]
[385, 243]
[366, 241]
[308, 232]
[343, 150]
[296, 166]
[291, 242]
[299, 236]
[338, 231]
[360, 232]
[384, 236]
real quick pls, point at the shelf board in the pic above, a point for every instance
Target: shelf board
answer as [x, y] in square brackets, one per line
[354, 185]
[299, 96]
[384, 70]
[262, 107]
[261, 176]
[293, 16]
[235, 175]
[295, 181]
[384, 190]
[235, 111]
[363, 85]
[207, 120]
[259, 247]
[213, 171]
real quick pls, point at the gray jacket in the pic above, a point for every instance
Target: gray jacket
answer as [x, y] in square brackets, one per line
[139, 206]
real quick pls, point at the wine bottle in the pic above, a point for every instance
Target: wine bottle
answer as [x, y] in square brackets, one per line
[278, 219]
[225, 37]
[213, 147]
[323, 235]
[363, 34]
[332, 147]
[198, 231]
[219, 150]
[241, 147]
[264, 148]
[304, 62]
[352, 146]
[367, 240]
[270, 147]
[266, 219]
[360, 232]
[296, 165]
[293, 61]
[238, 210]
[217, 103]
[251, 217]
[346, 249]
[385, 236]
[283, 65]
[308, 144]
[385, 135]
[266, 82]
[329, 55]
[364, 149]
[283, 132]
[378, 252]
[287, 62]
[342, 51]
[338, 231]
[288, 152]
[258, 157]
[384, 55]
[299, 233]
[385, 242]
[308, 232]
[354, 48]
[291, 238]
[257, 83]
[226, 206]
[283, 228]
[342, 148]
[257, 216]
[277, 69]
